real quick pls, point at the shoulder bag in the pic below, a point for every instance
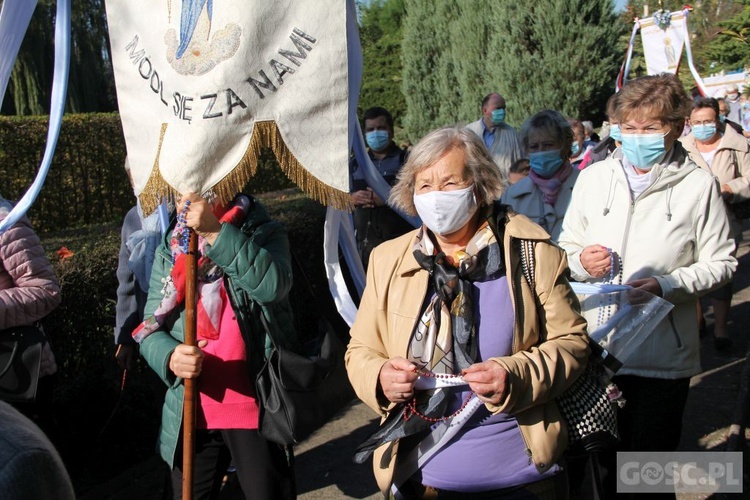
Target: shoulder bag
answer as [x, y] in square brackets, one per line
[297, 393]
[586, 406]
[20, 361]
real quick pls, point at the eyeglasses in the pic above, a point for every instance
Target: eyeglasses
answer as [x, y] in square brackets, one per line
[704, 122]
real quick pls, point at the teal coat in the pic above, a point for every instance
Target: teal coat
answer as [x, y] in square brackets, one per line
[258, 276]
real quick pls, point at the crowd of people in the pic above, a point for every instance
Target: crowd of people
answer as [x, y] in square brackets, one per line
[650, 205]
[468, 319]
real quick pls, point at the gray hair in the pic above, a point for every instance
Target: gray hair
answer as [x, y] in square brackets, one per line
[488, 179]
[554, 123]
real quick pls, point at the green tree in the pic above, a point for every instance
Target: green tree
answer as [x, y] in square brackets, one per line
[472, 74]
[380, 35]
[90, 81]
[728, 50]
[427, 59]
[558, 54]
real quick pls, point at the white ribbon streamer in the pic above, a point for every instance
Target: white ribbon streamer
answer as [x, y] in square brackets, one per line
[12, 33]
[339, 230]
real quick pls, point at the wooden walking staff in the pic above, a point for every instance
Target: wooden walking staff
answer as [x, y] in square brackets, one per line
[189, 404]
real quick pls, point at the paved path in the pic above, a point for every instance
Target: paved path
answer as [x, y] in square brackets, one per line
[325, 469]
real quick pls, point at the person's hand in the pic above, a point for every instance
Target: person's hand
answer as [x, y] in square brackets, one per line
[200, 217]
[364, 198]
[596, 260]
[187, 361]
[726, 193]
[649, 285]
[488, 380]
[377, 201]
[125, 356]
[397, 377]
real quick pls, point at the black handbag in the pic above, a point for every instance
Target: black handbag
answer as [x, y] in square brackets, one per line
[20, 361]
[297, 394]
[588, 410]
[586, 406]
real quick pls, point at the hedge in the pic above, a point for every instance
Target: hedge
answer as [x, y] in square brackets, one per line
[86, 183]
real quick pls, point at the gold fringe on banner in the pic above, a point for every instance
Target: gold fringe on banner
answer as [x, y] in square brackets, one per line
[265, 135]
[156, 188]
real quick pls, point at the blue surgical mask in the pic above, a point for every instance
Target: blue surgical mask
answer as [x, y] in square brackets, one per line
[644, 150]
[722, 118]
[614, 132]
[704, 132]
[377, 139]
[575, 148]
[498, 116]
[545, 163]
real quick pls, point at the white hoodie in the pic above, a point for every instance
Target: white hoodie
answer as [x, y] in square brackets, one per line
[676, 231]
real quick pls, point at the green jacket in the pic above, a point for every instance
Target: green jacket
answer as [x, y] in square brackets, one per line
[258, 276]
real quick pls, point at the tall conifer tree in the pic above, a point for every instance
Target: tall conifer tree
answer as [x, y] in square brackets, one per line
[558, 54]
[428, 66]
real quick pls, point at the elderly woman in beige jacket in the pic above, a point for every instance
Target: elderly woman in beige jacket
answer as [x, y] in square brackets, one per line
[449, 302]
[719, 149]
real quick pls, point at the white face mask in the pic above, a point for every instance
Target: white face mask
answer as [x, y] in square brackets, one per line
[445, 212]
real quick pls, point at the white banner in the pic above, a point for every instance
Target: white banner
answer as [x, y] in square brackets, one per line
[716, 85]
[662, 45]
[203, 85]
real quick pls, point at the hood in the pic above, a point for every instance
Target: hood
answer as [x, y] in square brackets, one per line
[676, 167]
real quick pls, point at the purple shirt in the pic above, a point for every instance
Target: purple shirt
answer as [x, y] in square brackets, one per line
[489, 452]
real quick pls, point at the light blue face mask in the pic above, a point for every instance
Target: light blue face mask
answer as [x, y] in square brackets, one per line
[575, 148]
[644, 150]
[614, 133]
[545, 163]
[377, 139]
[704, 132]
[498, 116]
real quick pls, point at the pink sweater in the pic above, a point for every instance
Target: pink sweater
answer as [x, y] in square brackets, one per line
[227, 396]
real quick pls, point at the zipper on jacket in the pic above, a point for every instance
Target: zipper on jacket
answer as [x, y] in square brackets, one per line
[631, 212]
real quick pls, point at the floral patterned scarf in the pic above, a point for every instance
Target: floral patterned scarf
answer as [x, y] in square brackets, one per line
[210, 286]
[445, 340]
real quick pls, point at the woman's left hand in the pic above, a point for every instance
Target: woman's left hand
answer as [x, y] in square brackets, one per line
[200, 217]
[649, 285]
[488, 380]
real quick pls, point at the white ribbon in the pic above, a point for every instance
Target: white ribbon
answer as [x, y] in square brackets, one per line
[339, 230]
[339, 226]
[14, 19]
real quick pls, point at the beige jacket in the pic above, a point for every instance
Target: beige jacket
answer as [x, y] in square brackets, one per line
[550, 346]
[731, 165]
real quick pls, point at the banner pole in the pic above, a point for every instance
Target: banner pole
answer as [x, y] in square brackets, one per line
[188, 418]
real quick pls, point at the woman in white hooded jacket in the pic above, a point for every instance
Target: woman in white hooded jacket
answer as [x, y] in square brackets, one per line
[650, 218]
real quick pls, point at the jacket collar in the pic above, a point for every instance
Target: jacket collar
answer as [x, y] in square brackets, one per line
[516, 226]
[730, 140]
[678, 165]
